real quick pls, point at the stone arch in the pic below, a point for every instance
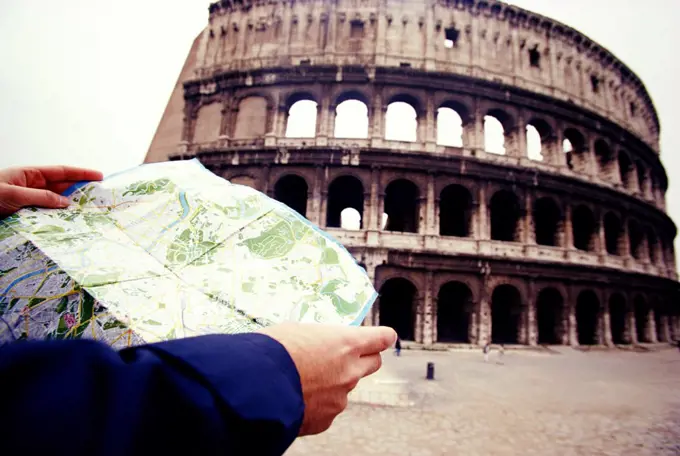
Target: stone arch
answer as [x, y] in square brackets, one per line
[626, 170]
[540, 136]
[208, 123]
[575, 148]
[455, 211]
[653, 246]
[397, 306]
[401, 119]
[253, 116]
[643, 178]
[636, 239]
[352, 94]
[302, 109]
[642, 320]
[587, 317]
[452, 121]
[344, 192]
[613, 234]
[292, 191]
[506, 213]
[455, 307]
[498, 127]
[550, 316]
[506, 314]
[351, 118]
[548, 221]
[605, 160]
[584, 228]
[618, 316]
[401, 206]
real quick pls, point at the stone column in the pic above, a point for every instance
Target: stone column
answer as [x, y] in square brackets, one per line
[573, 328]
[429, 320]
[625, 251]
[322, 120]
[665, 331]
[431, 213]
[370, 317]
[483, 215]
[532, 324]
[650, 327]
[517, 139]
[483, 309]
[632, 327]
[529, 227]
[430, 138]
[314, 204]
[606, 337]
[568, 229]
[375, 217]
[423, 210]
[377, 118]
[476, 131]
[418, 320]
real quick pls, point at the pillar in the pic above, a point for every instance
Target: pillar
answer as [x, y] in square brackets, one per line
[606, 336]
[568, 229]
[516, 142]
[632, 328]
[650, 327]
[374, 216]
[482, 215]
[429, 317]
[476, 131]
[532, 324]
[370, 319]
[423, 209]
[419, 313]
[430, 138]
[431, 213]
[529, 228]
[573, 328]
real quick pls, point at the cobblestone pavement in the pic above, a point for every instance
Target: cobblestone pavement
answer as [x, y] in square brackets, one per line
[564, 402]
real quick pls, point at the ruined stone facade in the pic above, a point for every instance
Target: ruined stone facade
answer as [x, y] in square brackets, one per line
[571, 247]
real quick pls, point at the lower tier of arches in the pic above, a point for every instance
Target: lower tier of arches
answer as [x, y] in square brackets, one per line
[452, 300]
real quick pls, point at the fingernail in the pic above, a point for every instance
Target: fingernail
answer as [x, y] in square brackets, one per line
[64, 202]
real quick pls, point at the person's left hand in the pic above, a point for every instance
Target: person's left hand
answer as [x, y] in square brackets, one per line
[39, 186]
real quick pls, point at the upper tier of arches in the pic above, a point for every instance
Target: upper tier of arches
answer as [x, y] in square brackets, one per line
[439, 122]
[493, 41]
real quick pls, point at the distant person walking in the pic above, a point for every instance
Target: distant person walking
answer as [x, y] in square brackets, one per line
[397, 347]
[501, 353]
[486, 350]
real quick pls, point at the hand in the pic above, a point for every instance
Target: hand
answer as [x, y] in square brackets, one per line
[330, 360]
[39, 186]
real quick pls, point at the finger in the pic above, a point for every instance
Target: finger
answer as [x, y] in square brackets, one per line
[376, 339]
[370, 364]
[66, 173]
[18, 197]
[61, 187]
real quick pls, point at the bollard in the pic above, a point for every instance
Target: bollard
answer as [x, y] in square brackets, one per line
[430, 371]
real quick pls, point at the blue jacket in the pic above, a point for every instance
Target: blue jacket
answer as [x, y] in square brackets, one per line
[208, 395]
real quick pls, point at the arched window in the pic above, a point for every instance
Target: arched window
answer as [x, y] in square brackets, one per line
[653, 242]
[550, 316]
[636, 239]
[505, 216]
[401, 206]
[397, 307]
[583, 228]
[251, 121]
[587, 316]
[350, 219]
[455, 311]
[494, 135]
[605, 159]
[506, 315]
[455, 211]
[613, 234]
[642, 319]
[302, 119]
[449, 128]
[573, 147]
[534, 146]
[351, 120]
[345, 192]
[401, 122]
[539, 137]
[291, 190]
[208, 121]
[548, 222]
[626, 170]
[617, 316]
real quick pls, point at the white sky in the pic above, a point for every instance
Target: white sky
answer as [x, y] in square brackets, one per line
[86, 82]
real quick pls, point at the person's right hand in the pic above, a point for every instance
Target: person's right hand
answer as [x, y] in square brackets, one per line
[330, 360]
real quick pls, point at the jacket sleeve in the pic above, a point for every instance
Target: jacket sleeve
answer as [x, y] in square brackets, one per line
[208, 395]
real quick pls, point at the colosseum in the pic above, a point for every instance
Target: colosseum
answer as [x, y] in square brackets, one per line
[495, 171]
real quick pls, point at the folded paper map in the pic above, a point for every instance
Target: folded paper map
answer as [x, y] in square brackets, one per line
[170, 250]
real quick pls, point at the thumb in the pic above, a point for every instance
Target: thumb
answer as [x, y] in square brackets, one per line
[16, 197]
